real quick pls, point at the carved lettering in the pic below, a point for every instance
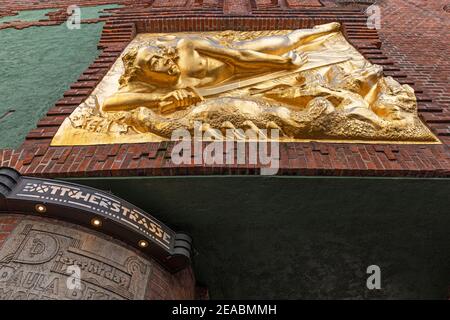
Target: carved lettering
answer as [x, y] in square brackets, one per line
[34, 265]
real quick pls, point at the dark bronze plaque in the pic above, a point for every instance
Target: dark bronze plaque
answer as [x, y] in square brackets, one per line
[42, 260]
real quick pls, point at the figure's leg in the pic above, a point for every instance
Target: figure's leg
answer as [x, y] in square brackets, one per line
[281, 44]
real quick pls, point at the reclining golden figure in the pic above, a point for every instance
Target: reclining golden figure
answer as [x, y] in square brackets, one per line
[310, 84]
[195, 62]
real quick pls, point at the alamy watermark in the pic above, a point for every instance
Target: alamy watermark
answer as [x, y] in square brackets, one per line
[73, 282]
[374, 280]
[374, 17]
[231, 147]
[74, 19]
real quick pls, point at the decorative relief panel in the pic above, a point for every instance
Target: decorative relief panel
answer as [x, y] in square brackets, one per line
[306, 84]
[46, 261]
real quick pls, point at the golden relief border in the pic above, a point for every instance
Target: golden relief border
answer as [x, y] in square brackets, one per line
[308, 100]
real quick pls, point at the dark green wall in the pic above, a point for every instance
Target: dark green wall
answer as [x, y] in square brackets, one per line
[37, 65]
[299, 237]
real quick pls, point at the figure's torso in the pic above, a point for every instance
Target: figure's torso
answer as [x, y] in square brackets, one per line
[200, 71]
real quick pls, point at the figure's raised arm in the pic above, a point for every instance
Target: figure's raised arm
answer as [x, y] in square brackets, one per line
[248, 59]
[281, 44]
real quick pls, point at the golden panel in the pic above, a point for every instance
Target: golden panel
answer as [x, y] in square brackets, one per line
[310, 84]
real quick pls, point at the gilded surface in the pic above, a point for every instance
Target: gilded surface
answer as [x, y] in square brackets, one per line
[311, 84]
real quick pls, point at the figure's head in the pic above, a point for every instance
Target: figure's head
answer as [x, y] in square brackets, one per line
[156, 65]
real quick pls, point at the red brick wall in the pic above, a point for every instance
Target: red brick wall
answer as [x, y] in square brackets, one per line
[171, 287]
[402, 51]
[415, 35]
[7, 225]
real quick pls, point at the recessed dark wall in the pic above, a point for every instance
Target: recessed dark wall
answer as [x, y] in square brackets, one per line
[308, 238]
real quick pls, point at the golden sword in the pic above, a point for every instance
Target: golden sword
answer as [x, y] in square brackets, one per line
[212, 91]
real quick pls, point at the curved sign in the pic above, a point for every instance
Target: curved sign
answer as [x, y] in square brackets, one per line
[96, 209]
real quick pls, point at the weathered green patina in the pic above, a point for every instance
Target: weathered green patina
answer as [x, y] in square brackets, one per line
[37, 65]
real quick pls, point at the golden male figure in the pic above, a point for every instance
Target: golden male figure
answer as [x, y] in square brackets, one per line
[163, 78]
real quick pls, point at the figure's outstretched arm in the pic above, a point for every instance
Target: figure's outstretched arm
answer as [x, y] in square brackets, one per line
[163, 103]
[248, 59]
[280, 44]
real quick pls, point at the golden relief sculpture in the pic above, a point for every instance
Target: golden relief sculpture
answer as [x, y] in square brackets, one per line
[310, 84]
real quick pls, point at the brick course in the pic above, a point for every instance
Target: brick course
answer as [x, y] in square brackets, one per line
[399, 48]
[7, 225]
